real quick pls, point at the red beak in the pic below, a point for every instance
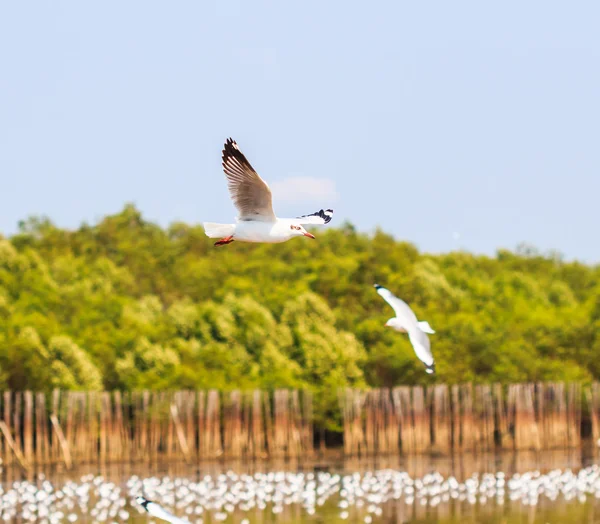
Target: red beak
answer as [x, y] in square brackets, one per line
[309, 235]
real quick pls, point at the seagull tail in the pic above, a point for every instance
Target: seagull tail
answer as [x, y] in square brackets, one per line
[213, 230]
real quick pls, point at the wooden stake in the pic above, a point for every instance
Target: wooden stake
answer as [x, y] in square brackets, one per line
[11, 444]
[62, 440]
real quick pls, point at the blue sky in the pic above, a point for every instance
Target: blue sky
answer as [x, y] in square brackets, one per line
[453, 125]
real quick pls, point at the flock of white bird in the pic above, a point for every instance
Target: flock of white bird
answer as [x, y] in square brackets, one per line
[257, 222]
[218, 497]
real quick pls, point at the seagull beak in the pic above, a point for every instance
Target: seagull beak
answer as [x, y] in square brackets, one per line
[309, 235]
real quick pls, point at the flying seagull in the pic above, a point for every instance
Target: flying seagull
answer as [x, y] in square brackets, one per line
[252, 198]
[156, 511]
[406, 321]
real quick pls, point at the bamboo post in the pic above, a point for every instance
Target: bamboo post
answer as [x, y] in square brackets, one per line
[574, 414]
[56, 452]
[295, 443]
[28, 427]
[467, 428]
[7, 413]
[501, 419]
[232, 424]
[592, 398]
[347, 416]
[421, 418]
[189, 406]
[455, 407]
[92, 416]
[441, 419]
[69, 420]
[404, 414]
[258, 431]
[214, 423]
[41, 433]
[145, 424]
[202, 433]
[62, 440]
[12, 446]
[269, 436]
[16, 429]
[485, 417]
[180, 433]
[307, 422]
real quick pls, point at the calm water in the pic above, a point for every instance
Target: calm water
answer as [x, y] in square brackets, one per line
[508, 488]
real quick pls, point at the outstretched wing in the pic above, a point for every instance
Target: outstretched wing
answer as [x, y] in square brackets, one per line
[250, 193]
[403, 312]
[320, 217]
[422, 347]
[156, 511]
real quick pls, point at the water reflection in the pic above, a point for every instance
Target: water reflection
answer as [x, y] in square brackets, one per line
[521, 487]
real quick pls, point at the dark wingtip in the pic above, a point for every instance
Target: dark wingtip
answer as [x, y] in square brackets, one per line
[231, 150]
[326, 215]
[377, 286]
[143, 502]
[229, 144]
[430, 369]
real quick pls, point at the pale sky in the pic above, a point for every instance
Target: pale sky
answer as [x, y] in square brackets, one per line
[449, 124]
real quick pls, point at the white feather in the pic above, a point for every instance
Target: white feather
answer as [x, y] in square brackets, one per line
[406, 321]
[425, 327]
[214, 230]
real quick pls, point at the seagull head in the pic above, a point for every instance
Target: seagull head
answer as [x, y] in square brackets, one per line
[298, 231]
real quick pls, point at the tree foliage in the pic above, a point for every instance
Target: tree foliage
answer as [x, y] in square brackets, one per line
[127, 304]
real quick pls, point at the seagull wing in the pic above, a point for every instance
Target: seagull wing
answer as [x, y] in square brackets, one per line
[250, 193]
[156, 511]
[320, 217]
[421, 345]
[403, 312]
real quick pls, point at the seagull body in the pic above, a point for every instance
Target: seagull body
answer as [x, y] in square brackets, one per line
[406, 321]
[252, 197]
[156, 511]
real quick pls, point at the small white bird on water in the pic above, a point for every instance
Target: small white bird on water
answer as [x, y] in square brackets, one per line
[156, 511]
[252, 197]
[406, 321]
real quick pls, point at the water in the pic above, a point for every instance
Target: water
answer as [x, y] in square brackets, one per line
[506, 488]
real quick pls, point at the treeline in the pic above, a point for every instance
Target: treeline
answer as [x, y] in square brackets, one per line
[126, 304]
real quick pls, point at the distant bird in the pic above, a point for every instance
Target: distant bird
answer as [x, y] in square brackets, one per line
[406, 321]
[252, 197]
[156, 511]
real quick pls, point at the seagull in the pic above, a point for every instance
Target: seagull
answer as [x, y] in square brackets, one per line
[252, 197]
[406, 321]
[156, 511]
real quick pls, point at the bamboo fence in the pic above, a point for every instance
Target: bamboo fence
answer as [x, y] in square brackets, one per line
[478, 418]
[73, 427]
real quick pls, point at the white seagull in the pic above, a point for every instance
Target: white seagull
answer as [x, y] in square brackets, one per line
[406, 321]
[252, 197]
[156, 511]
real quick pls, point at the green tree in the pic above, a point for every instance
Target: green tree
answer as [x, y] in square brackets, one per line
[127, 304]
